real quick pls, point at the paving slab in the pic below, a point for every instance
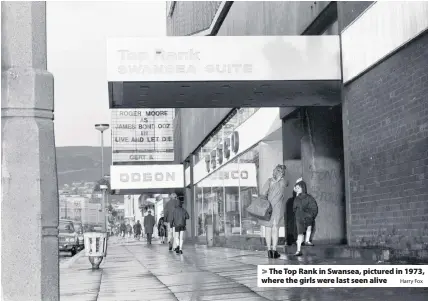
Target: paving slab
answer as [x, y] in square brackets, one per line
[137, 271]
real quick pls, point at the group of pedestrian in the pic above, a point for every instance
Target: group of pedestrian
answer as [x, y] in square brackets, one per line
[126, 230]
[305, 211]
[174, 221]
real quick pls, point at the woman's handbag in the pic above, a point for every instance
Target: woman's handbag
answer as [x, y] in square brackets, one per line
[260, 208]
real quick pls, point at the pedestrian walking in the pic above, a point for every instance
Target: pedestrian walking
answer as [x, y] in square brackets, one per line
[169, 211]
[274, 192]
[305, 211]
[128, 231]
[137, 230]
[180, 216]
[149, 223]
[122, 229]
[161, 228]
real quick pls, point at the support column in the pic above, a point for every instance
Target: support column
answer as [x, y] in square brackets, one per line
[292, 133]
[29, 215]
[322, 162]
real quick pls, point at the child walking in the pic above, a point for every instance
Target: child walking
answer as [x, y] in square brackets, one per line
[179, 218]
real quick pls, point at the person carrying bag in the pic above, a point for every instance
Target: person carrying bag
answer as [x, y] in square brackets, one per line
[269, 208]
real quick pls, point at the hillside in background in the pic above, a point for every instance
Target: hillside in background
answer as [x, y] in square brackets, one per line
[81, 163]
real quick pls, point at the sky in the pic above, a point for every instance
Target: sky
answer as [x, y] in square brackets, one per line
[76, 41]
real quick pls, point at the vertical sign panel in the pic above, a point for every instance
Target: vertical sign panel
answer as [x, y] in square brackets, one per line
[142, 135]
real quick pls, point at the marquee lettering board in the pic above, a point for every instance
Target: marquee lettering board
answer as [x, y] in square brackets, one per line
[142, 135]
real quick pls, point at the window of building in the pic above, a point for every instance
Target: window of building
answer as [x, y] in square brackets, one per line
[201, 211]
[222, 197]
[232, 206]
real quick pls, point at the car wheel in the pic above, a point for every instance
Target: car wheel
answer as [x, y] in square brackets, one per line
[73, 252]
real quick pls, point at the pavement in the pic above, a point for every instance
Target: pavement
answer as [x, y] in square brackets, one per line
[136, 271]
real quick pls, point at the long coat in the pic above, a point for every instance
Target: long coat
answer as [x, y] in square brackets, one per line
[169, 208]
[137, 228]
[305, 210]
[149, 223]
[274, 192]
[161, 227]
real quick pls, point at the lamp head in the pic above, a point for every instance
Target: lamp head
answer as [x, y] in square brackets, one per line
[102, 127]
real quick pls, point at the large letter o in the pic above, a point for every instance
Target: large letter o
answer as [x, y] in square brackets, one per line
[235, 142]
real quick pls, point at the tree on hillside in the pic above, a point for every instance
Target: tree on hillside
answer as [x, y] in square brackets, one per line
[103, 181]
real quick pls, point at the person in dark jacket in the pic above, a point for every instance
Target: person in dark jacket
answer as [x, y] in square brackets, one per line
[305, 211]
[122, 229]
[137, 230]
[180, 216]
[169, 212]
[161, 228]
[129, 229]
[149, 223]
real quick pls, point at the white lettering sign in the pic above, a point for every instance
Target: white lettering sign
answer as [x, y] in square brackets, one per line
[146, 176]
[223, 58]
[232, 175]
[142, 135]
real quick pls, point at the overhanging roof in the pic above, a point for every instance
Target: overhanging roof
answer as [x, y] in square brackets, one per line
[254, 71]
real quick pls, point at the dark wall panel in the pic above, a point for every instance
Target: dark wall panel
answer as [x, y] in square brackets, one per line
[178, 139]
[191, 17]
[270, 18]
[197, 124]
[349, 11]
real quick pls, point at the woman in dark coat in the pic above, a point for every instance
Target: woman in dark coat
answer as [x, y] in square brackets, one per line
[149, 223]
[161, 229]
[305, 211]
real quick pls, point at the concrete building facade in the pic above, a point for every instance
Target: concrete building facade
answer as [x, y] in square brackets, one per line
[80, 209]
[365, 160]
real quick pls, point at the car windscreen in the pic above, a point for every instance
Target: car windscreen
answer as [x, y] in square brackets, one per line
[66, 227]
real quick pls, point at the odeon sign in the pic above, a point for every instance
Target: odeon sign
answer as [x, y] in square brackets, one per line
[222, 152]
[146, 176]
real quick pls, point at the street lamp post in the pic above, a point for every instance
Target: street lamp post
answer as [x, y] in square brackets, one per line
[103, 206]
[102, 127]
[97, 254]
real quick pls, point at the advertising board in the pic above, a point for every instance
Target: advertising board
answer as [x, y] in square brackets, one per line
[142, 135]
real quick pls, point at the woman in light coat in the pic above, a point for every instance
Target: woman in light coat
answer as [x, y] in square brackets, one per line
[274, 192]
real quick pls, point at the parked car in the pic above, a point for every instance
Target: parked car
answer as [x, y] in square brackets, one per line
[68, 239]
[78, 227]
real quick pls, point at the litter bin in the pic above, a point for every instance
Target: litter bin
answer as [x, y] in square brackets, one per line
[95, 247]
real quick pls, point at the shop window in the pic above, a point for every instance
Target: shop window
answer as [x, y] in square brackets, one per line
[249, 224]
[201, 211]
[217, 203]
[231, 191]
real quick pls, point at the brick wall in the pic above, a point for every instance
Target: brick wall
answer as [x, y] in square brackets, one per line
[387, 111]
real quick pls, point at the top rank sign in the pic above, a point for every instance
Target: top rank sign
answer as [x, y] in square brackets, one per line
[142, 135]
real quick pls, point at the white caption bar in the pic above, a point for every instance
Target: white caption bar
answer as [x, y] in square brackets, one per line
[342, 276]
